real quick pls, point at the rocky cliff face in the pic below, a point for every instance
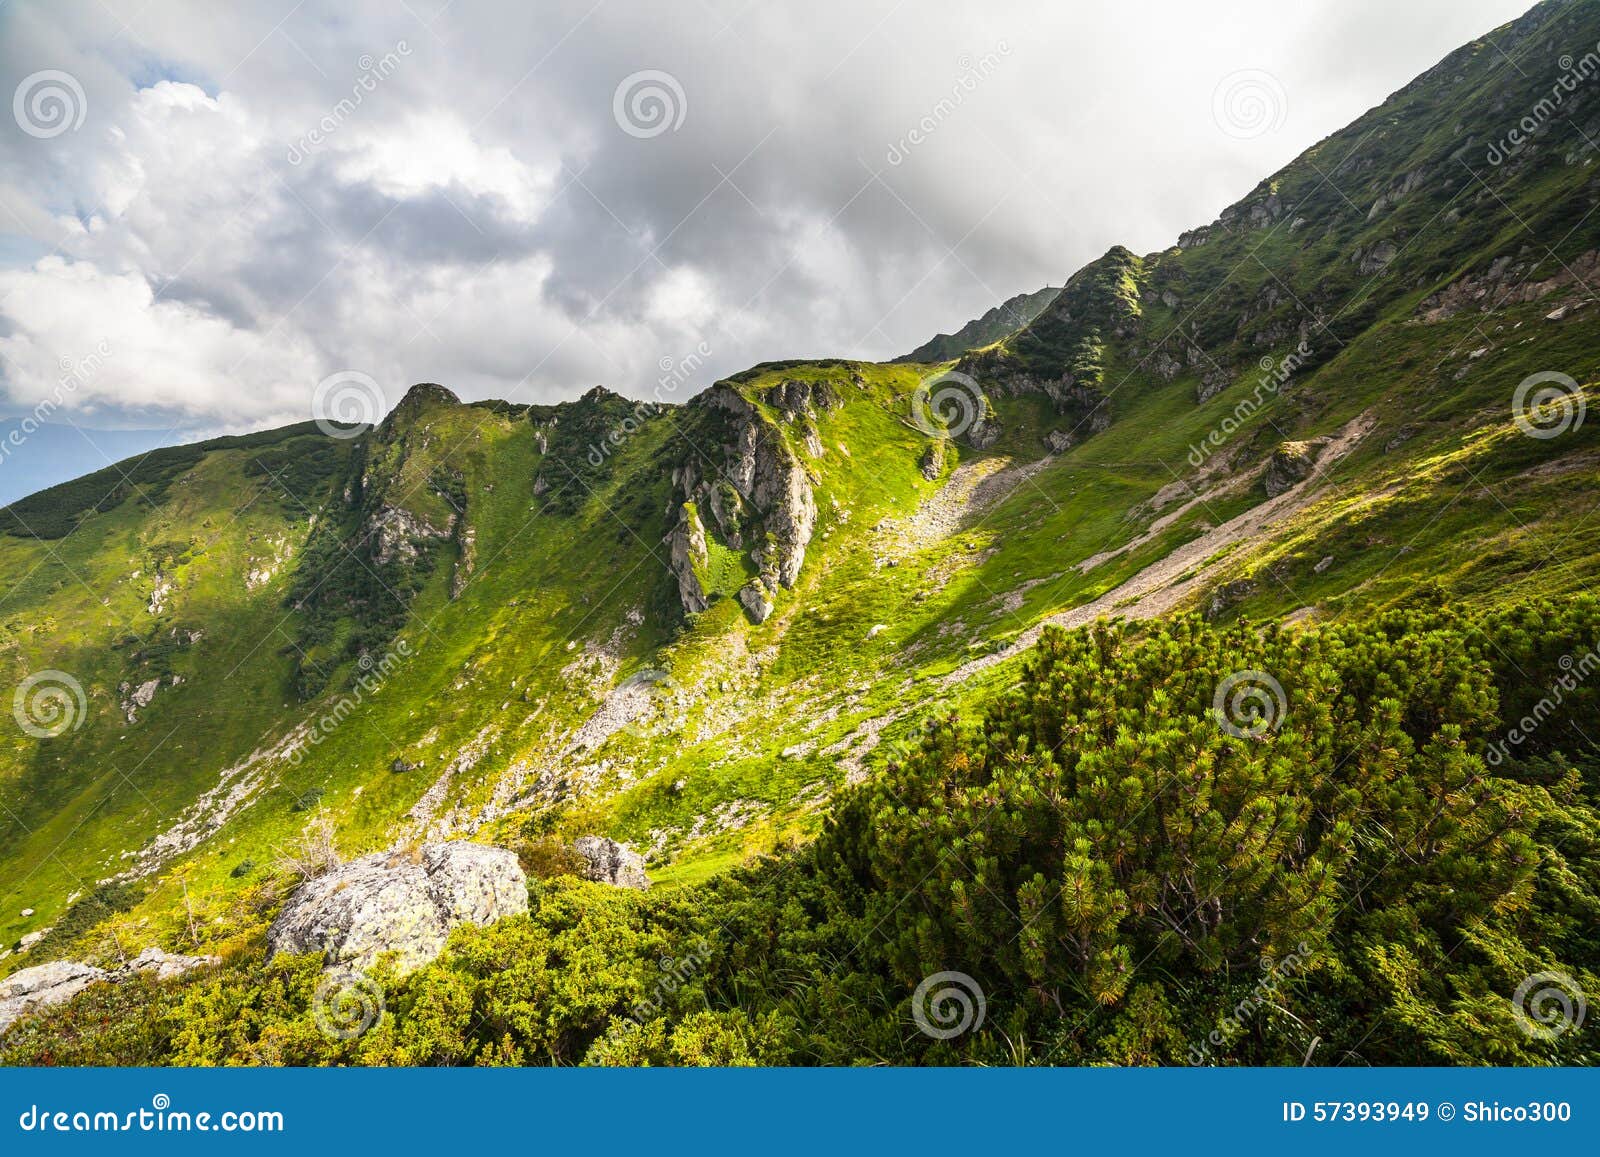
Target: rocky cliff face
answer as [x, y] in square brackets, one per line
[750, 494]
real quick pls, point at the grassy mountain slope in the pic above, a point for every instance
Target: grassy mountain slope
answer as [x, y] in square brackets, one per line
[689, 626]
[999, 322]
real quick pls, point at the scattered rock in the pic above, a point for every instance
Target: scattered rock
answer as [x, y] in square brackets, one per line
[611, 863]
[1229, 595]
[1058, 441]
[1323, 565]
[753, 597]
[160, 965]
[1376, 258]
[405, 903]
[1291, 464]
[26, 912]
[43, 986]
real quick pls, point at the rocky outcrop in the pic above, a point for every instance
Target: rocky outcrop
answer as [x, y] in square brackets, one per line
[396, 533]
[753, 598]
[688, 557]
[797, 400]
[42, 986]
[1291, 463]
[159, 965]
[611, 863]
[1507, 282]
[760, 501]
[403, 903]
[1375, 258]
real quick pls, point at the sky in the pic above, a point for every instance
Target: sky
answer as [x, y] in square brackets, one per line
[208, 212]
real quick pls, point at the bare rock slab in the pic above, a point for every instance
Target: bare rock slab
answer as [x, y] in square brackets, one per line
[405, 903]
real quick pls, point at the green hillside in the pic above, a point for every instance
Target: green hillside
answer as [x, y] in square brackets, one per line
[822, 644]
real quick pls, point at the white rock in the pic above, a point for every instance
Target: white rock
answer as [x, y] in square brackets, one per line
[43, 986]
[405, 903]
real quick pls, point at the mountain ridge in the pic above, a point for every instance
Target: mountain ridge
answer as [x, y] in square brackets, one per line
[689, 628]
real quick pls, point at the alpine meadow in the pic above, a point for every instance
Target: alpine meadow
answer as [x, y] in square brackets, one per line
[1193, 662]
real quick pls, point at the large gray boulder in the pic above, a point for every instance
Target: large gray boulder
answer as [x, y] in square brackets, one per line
[609, 862]
[42, 986]
[404, 903]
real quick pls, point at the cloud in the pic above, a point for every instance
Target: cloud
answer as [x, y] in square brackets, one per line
[164, 358]
[442, 192]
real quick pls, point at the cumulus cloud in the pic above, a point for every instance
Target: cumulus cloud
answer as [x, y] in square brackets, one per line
[436, 191]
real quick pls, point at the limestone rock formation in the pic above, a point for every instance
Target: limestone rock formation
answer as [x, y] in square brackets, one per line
[611, 863]
[405, 903]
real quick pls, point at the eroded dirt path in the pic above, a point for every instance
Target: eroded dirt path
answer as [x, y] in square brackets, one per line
[1155, 590]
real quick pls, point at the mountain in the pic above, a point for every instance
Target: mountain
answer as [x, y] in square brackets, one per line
[1000, 322]
[821, 644]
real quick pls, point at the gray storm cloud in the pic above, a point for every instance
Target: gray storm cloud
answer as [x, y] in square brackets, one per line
[261, 194]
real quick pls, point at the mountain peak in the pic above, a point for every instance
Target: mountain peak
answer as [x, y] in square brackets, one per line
[428, 393]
